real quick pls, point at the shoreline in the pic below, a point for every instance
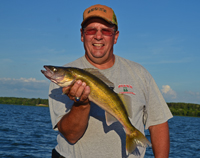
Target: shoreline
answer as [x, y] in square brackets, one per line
[176, 108]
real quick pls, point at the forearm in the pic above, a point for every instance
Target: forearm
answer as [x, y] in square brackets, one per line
[74, 124]
[160, 140]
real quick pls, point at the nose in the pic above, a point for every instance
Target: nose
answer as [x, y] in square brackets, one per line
[98, 35]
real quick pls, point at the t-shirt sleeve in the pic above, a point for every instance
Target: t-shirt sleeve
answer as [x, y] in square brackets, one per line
[157, 110]
[59, 104]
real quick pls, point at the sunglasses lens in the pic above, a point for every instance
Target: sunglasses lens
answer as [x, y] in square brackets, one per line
[104, 31]
[107, 32]
[91, 31]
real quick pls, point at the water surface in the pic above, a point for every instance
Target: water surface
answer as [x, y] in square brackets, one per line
[26, 131]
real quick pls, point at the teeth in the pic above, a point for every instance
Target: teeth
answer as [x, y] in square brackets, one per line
[98, 44]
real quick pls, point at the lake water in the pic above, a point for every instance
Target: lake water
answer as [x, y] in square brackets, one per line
[25, 131]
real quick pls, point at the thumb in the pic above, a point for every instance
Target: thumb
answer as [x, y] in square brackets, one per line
[65, 90]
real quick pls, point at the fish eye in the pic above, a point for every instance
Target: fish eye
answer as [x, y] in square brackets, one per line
[54, 69]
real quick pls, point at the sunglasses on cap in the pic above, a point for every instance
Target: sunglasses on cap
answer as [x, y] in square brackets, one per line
[104, 31]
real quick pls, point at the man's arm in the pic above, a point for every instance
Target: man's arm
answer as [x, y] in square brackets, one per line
[73, 124]
[160, 140]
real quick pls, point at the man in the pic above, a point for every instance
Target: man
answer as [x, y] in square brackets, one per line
[83, 132]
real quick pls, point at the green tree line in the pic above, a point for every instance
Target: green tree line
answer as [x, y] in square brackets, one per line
[185, 109]
[179, 109]
[23, 101]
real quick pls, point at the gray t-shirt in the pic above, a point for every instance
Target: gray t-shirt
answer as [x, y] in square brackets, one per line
[102, 141]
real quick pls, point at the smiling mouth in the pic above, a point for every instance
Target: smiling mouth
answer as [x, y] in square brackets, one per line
[98, 45]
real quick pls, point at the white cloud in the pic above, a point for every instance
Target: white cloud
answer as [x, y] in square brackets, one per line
[33, 80]
[168, 92]
[24, 87]
[195, 94]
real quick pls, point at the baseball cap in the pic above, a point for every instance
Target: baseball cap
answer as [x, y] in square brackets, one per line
[100, 11]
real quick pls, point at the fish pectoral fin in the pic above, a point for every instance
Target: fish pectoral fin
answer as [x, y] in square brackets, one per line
[110, 119]
[127, 103]
[99, 75]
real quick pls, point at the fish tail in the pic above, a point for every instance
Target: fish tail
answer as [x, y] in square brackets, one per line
[136, 138]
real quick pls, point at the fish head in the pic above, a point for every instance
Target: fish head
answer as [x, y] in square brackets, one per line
[59, 75]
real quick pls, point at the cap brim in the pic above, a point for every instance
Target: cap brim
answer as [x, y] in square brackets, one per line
[96, 16]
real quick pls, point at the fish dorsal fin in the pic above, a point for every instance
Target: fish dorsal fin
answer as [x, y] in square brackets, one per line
[127, 103]
[99, 75]
[110, 119]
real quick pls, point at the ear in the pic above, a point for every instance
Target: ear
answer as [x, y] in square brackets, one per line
[82, 35]
[116, 37]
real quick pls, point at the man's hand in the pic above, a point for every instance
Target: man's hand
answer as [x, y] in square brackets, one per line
[80, 90]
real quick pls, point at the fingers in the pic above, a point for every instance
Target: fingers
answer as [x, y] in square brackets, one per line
[79, 89]
[85, 93]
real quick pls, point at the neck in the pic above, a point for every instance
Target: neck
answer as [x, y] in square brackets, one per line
[105, 65]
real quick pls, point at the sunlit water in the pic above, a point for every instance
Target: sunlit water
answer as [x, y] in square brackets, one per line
[184, 138]
[25, 131]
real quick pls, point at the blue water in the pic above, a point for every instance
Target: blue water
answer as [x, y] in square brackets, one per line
[26, 131]
[184, 138]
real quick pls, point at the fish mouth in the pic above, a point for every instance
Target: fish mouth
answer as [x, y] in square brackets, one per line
[52, 74]
[48, 73]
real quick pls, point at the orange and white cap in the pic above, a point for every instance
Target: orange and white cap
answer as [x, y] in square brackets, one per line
[100, 11]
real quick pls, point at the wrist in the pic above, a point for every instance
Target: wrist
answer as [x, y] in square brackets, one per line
[81, 104]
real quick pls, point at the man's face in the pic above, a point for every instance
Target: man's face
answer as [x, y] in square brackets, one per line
[98, 47]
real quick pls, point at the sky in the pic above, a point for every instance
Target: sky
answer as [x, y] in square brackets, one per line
[163, 36]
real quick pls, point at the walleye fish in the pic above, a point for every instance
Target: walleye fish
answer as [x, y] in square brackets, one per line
[103, 96]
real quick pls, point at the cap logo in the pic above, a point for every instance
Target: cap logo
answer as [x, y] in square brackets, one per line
[96, 8]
